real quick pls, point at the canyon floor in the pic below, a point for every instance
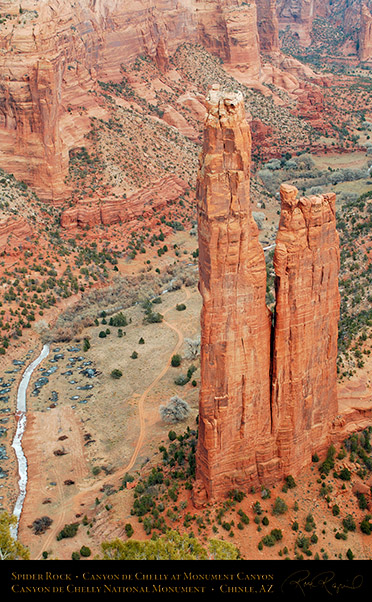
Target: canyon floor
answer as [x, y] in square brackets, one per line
[86, 432]
[91, 439]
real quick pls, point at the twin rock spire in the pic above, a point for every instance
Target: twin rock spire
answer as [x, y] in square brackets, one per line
[268, 393]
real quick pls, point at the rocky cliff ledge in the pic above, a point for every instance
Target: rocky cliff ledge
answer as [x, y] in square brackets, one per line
[112, 210]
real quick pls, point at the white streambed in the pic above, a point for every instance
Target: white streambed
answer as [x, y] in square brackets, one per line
[17, 441]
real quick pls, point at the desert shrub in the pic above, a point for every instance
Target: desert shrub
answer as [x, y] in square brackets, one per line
[176, 360]
[129, 530]
[345, 474]
[134, 355]
[362, 501]
[280, 507]
[265, 493]
[310, 523]
[68, 531]
[85, 551]
[276, 534]
[128, 478]
[349, 555]
[192, 348]
[181, 380]
[243, 517]
[191, 371]
[303, 542]
[102, 334]
[180, 307]
[116, 373]
[86, 345]
[314, 538]
[290, 482]
[143, 505]
[118, 320]
[349, 523]
[366, 525]
[335, 510]
[329, 462]
[236, 495]
[175, 411]
[172, 435]
[75, 556]
[40, 525]
[268, 541]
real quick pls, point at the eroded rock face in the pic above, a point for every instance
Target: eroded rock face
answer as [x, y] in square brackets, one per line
[228, 28]
[300, 14]
[54, 51]
[365, 35]
[268, 396]
[234, 416]
[15, 234]
[113, 210]
[304, 373]
[268, 27]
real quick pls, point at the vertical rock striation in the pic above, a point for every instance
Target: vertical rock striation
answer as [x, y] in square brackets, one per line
[268, 397]
[234, 417]
[268, 26]
[306, 262]
[228, 28]
[365, 34]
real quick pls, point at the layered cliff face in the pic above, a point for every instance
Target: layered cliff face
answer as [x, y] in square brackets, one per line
[268, 26]
[111, 210]
[44, 62]
[304, 377]
[54, 52]
[299, 15]
[365, 34]
[350, 20]
[228, 28]
[234, 415]
[15, 234]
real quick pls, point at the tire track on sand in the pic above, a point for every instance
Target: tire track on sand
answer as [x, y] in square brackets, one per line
[142, 399]
[56, 527]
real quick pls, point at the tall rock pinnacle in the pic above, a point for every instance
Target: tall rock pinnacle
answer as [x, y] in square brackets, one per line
[306, 262]
[268, 396]
[234, 416]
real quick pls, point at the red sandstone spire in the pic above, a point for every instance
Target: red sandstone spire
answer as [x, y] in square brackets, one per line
[234, 417]
[306, 264]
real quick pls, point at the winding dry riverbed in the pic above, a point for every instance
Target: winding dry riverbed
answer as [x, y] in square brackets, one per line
[21, 414]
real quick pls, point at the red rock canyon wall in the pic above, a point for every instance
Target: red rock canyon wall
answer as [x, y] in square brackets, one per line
[268, 27]
[53, 52]
[365, 34]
